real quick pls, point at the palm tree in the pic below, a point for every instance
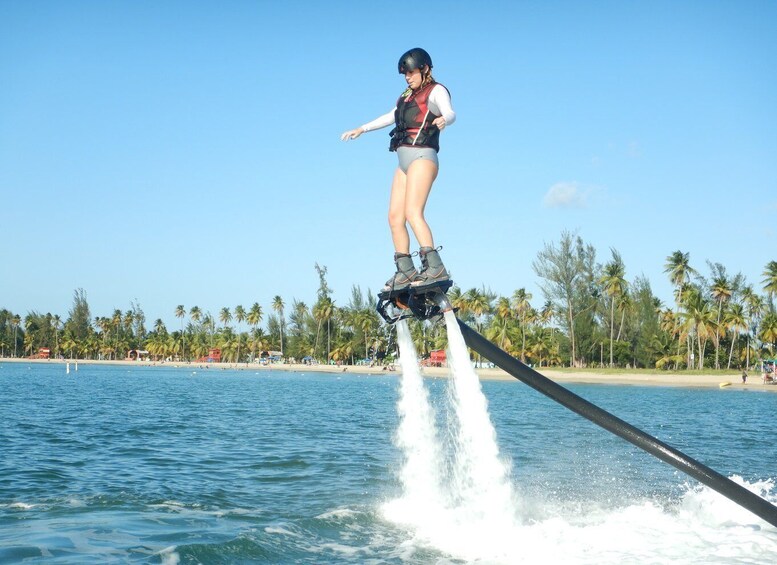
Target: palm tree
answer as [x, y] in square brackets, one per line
[56, 322]
[341, 353]
[30, 326]
[116, 325]
[721, 291]
[208, 322]
[104, 325]
[770, 281]
[328, 310]
[128, 321]
[614, 283]
[198, 346]
[670, 324]
[225, 316]
[16, 319]
[503, 314]
[254, 317]
[736, 321]
[521, 305]
[174, 344]
[538, 346]
[323, 311]
[421, 341]
[317, 316]
[479, 304]
[458, 301]
[240, 314]
[88, 346]
[754, 305]
[277, 305]
[231, 343]
[366, 321]
[180, 312]
[699, 318]
[546, 314]
[154, 344]
[256, 340]
[298, 318]
[195, 314]
[769, 330]
[625, 305]
[69, 344]
[129, 333]
[679, 270]
[242, 343]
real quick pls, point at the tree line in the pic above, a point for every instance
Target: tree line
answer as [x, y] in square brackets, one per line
[590, 315]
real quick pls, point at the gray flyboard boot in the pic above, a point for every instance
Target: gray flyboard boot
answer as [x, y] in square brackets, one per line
[432, 269]
[405, 274]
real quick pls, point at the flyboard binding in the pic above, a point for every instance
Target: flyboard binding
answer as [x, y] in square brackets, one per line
[423, 302]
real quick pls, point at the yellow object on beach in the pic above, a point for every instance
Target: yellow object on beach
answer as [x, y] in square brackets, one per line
[723, 385]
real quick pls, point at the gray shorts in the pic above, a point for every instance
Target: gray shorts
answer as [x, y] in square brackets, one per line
[409, 154]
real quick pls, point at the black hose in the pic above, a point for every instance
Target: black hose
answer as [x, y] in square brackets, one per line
[725, 486]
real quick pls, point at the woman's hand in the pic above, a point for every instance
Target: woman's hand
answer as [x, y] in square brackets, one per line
[440, 123]
[351, 134]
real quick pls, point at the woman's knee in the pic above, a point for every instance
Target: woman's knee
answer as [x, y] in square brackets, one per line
[396, 219]
[415, 217]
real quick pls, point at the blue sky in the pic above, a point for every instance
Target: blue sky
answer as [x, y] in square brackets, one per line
[188, 152]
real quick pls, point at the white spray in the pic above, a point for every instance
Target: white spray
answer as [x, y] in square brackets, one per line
[456, 495]
[481, 479]
[416, 437]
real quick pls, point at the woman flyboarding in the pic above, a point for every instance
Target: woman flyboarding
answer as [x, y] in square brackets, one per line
[421, 113]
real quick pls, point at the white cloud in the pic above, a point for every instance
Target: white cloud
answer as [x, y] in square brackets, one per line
[566, 195]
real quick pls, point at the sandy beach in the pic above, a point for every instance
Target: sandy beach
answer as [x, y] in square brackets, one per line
[729, 379]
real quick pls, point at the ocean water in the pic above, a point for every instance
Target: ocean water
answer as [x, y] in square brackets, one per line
[183, 465]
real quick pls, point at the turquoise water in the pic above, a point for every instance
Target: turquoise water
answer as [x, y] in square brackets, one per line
[174, 465]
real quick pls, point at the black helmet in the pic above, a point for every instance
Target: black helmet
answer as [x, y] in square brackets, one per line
[414, 59]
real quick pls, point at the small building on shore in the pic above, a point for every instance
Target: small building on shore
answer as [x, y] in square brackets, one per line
[436, 359]
[138, 355]
[213, 356]
[267, 355]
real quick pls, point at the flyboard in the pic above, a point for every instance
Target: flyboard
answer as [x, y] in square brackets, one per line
[422, 302]
[430, 301]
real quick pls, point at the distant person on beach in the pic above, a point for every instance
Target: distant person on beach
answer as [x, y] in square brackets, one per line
[421, 113]
[744, 377]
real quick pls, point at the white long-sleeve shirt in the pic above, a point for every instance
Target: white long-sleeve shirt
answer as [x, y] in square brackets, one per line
[439, 102]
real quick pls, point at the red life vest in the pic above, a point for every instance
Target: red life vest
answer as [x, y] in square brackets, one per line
[414, 121]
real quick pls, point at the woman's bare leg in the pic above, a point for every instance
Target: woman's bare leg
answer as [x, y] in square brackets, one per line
[417, 186]
[396, 217]
[406, 272]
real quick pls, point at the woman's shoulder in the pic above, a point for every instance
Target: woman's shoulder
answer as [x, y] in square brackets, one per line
[442, 88]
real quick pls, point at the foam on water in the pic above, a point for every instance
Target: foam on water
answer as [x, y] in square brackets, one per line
[169, 556]
[458, 497]
[20, 506]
